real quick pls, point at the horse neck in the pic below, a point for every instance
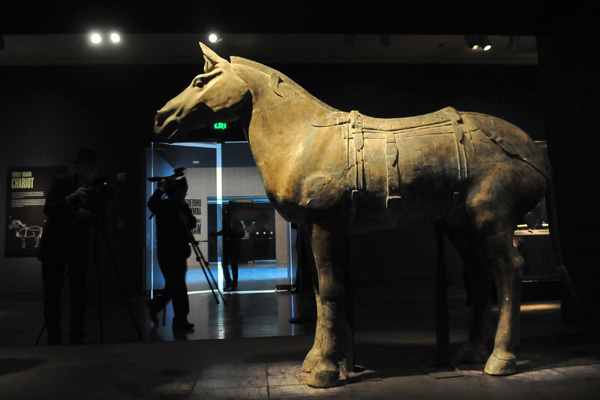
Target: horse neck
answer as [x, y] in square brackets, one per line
[280, 116]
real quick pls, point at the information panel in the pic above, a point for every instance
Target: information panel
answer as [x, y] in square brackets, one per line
[26, 196]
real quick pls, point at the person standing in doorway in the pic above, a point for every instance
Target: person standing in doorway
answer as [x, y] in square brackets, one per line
[233, 232]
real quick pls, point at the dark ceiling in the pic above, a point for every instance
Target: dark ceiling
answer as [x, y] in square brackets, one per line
[368, 16]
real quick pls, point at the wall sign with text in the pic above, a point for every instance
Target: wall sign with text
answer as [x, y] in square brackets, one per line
[25, 218]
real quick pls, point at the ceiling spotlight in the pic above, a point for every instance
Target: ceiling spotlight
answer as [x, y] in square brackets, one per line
[214, 38]
[115, 37]
[484, 41]
[472, 42]
[95, 38]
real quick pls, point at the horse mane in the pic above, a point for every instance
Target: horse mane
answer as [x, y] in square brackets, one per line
[269, 71]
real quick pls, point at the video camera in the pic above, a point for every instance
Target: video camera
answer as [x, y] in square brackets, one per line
[172, 180]
[177, 173]
[99, 192]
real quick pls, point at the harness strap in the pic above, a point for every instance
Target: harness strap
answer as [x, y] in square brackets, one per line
[357, 133]
[459, 135]
[355, 125]
[393, 174]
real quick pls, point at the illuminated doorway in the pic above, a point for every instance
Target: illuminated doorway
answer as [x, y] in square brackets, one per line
[219, 175]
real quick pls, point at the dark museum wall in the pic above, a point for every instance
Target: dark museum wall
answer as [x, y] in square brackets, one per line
[50, 112]
[569, 77]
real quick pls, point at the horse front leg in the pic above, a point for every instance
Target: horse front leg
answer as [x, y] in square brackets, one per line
[328, 249]
[479, 283]
[314, 355]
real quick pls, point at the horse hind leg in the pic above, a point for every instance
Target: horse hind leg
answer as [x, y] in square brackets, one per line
[508, 272]
[475, 350]
[496, 241]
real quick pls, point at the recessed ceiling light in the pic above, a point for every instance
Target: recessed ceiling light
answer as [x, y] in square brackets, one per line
[115, 37]
[95, 38]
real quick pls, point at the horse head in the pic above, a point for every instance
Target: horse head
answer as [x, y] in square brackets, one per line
[14, 223]
[214, 96]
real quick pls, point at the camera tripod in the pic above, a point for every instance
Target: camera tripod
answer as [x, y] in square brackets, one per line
[98, 232]
[205, 268]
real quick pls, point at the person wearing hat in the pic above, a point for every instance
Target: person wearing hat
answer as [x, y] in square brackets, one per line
[173, 218]
[64, 246]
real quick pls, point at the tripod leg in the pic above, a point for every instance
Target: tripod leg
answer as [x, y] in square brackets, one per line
[115, 269]
[201, 260]
[207, 280]
[45, 324]
[40, 334]
[204, 265]
[97, 265]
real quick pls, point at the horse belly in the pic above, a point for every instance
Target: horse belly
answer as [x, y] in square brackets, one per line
[418, 184]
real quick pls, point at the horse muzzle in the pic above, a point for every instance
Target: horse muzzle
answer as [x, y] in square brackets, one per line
[166, 125]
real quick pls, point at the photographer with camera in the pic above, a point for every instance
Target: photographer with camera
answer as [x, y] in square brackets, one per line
[173, 219]
[65, 244]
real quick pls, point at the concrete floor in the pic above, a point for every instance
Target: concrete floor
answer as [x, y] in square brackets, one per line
[249, 350]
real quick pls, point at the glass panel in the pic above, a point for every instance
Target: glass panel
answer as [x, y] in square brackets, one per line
[263, 256]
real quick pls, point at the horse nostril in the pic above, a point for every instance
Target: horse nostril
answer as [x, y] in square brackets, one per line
[159, 119]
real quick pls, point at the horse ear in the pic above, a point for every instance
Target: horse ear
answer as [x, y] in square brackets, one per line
[212, 58]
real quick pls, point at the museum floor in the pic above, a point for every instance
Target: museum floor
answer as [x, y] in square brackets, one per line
[247, 349]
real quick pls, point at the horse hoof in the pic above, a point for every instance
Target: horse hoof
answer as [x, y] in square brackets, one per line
[323, 378]
[472, 354]
[500, 366]
[310, 361]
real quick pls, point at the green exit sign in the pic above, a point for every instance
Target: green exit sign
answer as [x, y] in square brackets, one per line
[220, 126]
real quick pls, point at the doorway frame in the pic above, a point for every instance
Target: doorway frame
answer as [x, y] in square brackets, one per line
[151, 237]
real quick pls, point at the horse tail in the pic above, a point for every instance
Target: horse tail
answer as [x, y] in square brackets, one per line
[563, 274]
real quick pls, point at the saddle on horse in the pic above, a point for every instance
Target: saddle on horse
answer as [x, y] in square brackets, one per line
[405, 138]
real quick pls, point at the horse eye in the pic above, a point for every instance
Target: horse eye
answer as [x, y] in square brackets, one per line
[198, 83]
[202, 80]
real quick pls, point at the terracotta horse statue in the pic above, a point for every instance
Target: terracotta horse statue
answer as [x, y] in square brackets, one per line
[335, 173]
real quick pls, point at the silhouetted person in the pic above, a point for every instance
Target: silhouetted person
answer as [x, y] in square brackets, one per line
[173, 217]
[233, 232]
[65, 244]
